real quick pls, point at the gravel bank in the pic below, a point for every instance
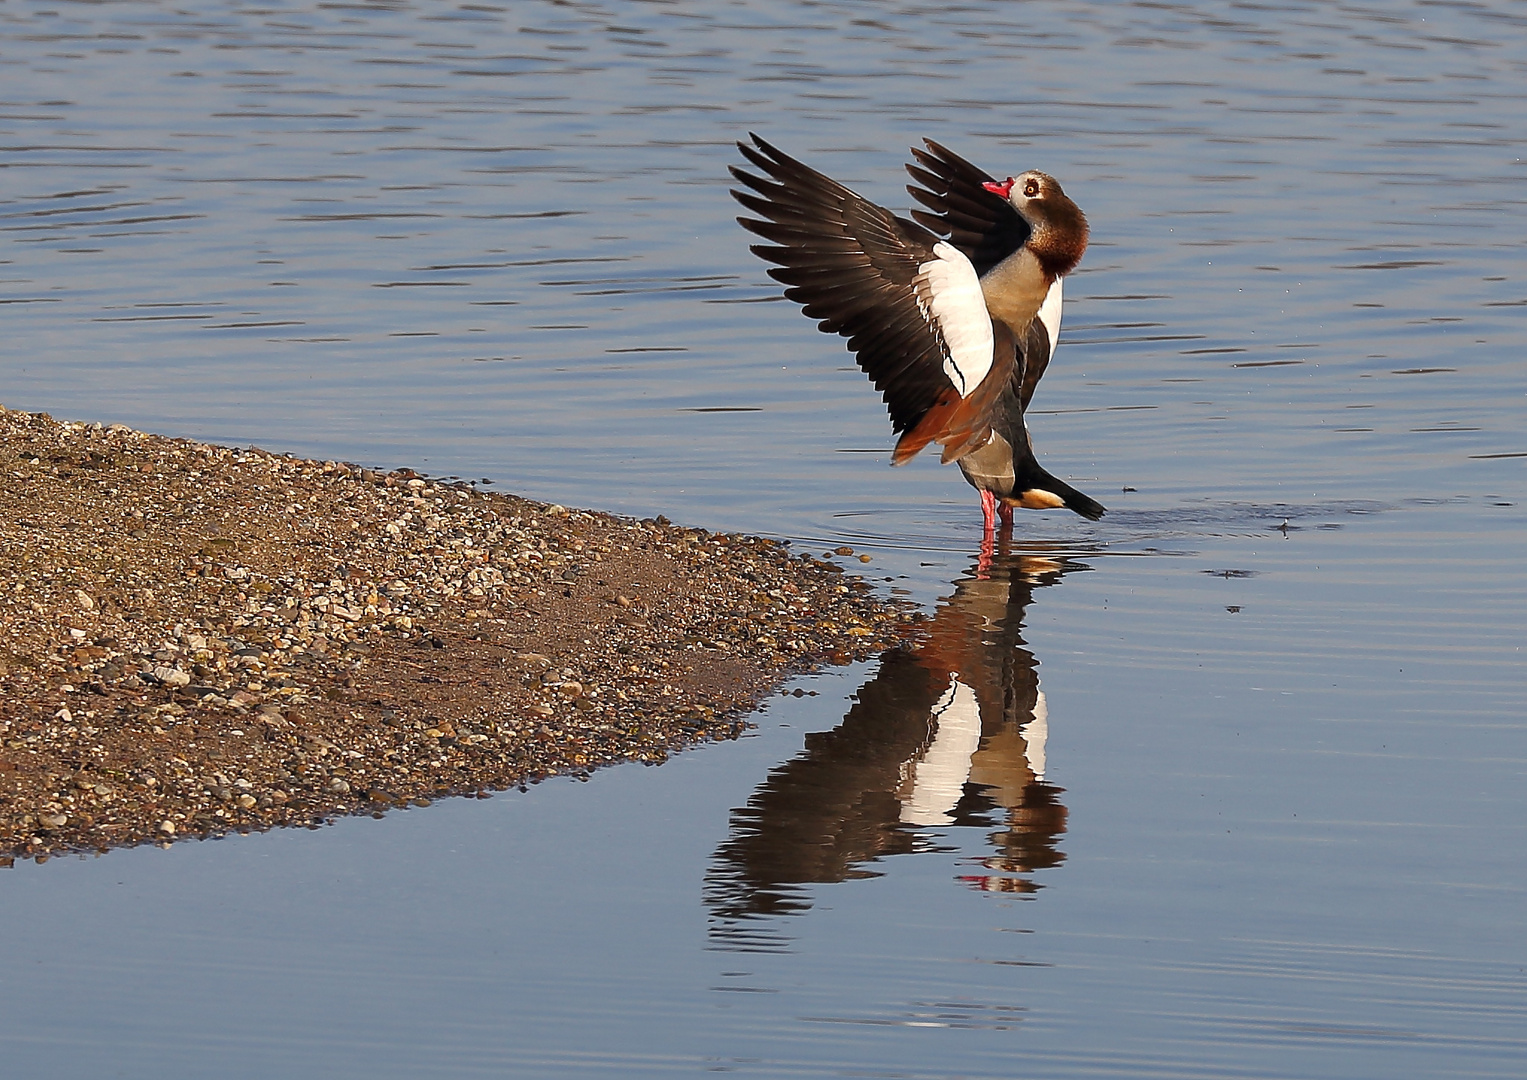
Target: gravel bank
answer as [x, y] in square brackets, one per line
[195, 639]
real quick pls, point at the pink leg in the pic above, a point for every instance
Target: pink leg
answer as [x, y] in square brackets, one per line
[989, 512]
[1005, 512]
[988, 522]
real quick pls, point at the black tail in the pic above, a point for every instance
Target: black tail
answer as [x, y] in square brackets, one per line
[1033, 477]
[1084, 505]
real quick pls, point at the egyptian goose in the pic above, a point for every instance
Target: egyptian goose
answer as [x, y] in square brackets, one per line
[950, 733]
[954, 315]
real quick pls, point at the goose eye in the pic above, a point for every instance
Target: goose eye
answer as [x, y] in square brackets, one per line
[1030, 189]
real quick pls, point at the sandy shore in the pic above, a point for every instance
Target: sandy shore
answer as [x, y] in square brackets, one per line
[200, 638]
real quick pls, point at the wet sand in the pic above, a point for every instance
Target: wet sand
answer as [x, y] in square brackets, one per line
[199, 639]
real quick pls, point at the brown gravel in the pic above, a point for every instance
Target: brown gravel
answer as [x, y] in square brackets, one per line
[195, 638]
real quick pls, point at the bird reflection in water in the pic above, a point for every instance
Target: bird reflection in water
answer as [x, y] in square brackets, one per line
[950, 734]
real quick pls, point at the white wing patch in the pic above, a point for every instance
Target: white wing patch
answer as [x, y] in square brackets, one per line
[1034, 733]
[939, 774]
[949, 296]
[1049, 314]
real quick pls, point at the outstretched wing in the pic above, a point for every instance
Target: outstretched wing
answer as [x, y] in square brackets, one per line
[910, 306]
[987, 229]
[981, 224]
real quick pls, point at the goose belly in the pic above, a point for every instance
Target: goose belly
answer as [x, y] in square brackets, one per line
[991, 467]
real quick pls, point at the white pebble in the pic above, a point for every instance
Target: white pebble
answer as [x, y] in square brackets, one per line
[169, 676]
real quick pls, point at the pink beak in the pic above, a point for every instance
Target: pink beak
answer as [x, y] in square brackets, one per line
[1004, 189]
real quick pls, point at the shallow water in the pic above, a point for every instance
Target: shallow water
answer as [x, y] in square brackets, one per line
[1275, 825]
